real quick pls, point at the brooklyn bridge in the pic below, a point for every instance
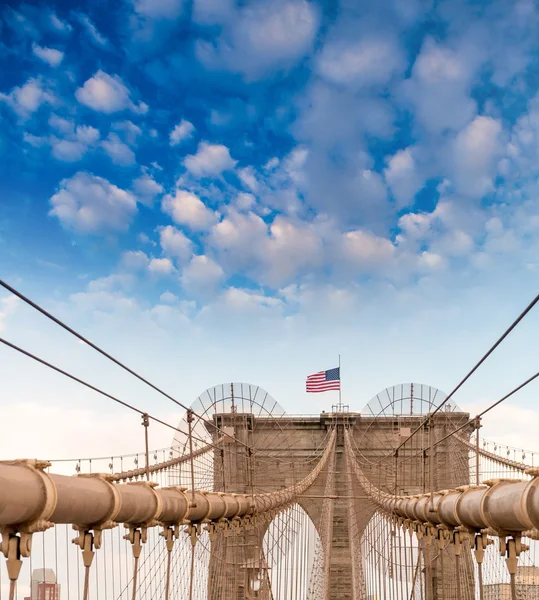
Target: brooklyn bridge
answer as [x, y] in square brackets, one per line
[403, 499]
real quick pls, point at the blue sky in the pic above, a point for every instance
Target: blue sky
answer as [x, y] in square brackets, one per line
[240, 191]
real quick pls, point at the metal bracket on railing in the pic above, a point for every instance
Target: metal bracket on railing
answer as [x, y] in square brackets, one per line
[481, 541]
[512, 548]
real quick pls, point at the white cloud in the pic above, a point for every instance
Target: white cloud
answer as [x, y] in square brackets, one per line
[159, 9]
[431, 261]
[161, 266]
[107, 94]
[62, 125]
[67, 150]
[86, 203]
[87, 134]
[120, 153]
[244, 202]
[403, 177]
[60, 25]
[35, 140]
[183, 131]
[26, 99]
[263, 37]
[95, 36]
[248, 178]
[367, 251]
[186, 208]
[243, 300]
[129, 130]
[290, 250]
[476, 150]
[147, 189]
[210, 160]
[201, 276]
[134, 260]
[76, 142]
[272, 254]
[175, 243]
[51, 56]
[169, 298]
[363, 63]
[439, 88]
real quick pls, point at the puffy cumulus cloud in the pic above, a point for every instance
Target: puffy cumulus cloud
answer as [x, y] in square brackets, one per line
[161, 266]
[272, 254]
[440, 85]
[237, 239]
[76, 142]
[209, 161]
[51, 56]
[476, 151]
[65, 126]
[147, 189]
[291, 249]
[248, 177]
[414, 226]
[201, 276]
[183, 131]
[89, 204]
[366, 251]
[134, 260]
[188, 209]
[68, 150]
[169, 298]
[371, 61]
[107, 94]
[337, 165]
[403, 176]
[430, 261]
[263, 37]
[452, 230]
[244, 202]
[159, 9]
[34, 140]
[129, 131]
[120, 153]
[175, 243]
[25, 100]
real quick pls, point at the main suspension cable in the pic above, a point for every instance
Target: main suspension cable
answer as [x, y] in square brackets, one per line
[473, 370]
[114, 360]
[96, 389]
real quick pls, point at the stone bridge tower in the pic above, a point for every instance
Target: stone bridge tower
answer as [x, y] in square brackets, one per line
[290, 447]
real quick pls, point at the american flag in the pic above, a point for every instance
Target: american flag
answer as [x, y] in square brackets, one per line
[324, 381]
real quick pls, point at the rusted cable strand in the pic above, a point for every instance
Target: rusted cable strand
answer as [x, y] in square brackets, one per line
[110, 357]
[94, 500]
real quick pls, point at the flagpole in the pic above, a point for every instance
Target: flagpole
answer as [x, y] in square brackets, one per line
[340, 385]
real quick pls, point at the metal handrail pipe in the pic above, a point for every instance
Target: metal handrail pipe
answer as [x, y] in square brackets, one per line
[29, 496]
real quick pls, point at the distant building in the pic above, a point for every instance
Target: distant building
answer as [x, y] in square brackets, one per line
[527, 586]
[44, 586]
